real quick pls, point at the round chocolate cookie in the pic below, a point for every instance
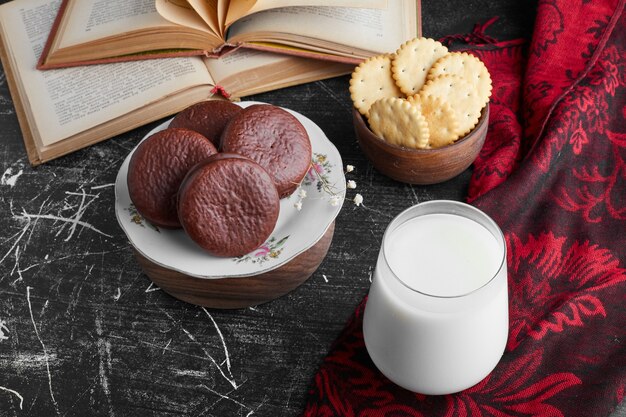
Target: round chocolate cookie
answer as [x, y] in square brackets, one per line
[273, 138]
[207, 118]
[228, 205]
[157, 168]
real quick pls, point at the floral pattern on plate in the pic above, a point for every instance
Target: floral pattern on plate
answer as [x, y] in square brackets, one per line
[138, 219]
[319, 173]
[267, 251]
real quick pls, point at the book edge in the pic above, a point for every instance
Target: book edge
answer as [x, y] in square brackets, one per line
[32, 151]
[302, 53]
[41, 62]
[128, 58]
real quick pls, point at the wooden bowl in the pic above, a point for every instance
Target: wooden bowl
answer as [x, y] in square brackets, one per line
[239, 292]
[421, 166]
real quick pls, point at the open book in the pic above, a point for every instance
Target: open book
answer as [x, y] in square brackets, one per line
[97, 31]
[62, 110]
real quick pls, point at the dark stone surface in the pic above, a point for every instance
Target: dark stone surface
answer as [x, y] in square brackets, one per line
[85, 333]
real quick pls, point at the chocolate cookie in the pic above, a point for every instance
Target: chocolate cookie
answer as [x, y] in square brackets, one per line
[273, 138]
[157, 168]
[207, 118]
[228, 205]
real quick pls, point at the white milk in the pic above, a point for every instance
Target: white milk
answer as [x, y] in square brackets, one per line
[443, 254]
[451, 334]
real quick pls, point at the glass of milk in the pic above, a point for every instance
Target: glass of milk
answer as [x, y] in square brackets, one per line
[436, 319]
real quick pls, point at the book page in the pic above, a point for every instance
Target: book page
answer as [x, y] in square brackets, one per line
[379, 30]
[89, 20]
[222, 13]
[207, 10]
[239, 61]
[64, 102]
[180, 12]
[241, 8]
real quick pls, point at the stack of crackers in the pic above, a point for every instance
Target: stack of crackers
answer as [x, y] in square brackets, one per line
[423, 96]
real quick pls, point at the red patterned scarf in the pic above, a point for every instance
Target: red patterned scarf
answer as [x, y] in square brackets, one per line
[552, 174]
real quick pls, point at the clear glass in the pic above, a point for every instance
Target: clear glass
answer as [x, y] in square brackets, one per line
[437, 342]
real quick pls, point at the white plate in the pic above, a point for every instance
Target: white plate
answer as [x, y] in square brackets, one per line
[295, 231]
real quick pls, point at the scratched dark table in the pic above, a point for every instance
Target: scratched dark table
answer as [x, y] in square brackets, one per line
[84, 332]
